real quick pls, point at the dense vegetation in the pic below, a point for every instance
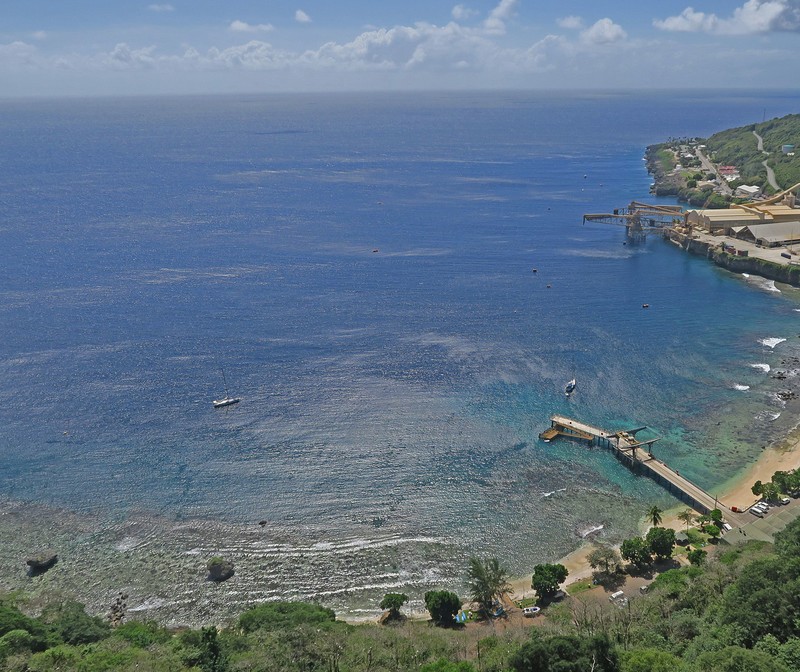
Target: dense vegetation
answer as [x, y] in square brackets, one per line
[738, 147]
[738, 612]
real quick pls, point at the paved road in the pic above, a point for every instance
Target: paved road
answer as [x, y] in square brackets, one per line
[770, 172]
[711, 168]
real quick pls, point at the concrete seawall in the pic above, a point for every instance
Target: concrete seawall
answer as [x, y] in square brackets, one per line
[786, 273]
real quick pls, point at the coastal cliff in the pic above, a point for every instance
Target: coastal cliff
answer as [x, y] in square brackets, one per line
[788, 274]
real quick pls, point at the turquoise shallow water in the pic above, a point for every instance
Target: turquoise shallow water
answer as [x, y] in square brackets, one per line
[361, 267]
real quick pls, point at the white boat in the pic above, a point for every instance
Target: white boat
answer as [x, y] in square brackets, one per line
[227, 400]
[570, 387]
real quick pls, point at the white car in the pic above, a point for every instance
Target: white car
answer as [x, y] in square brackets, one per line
[785, 500]
[530, 611]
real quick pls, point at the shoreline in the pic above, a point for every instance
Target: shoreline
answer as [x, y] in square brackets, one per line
[147, 556]
[781, 455]
[160, 561]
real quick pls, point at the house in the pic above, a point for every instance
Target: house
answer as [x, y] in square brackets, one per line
[747, 191]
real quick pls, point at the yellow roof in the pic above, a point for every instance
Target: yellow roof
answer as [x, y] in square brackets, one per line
[733, 214]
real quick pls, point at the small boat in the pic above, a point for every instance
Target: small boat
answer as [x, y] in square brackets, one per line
[569, 388]
[227, 400]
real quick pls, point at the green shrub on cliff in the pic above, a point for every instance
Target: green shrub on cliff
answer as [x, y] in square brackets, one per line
[277, 615]
[73, 625]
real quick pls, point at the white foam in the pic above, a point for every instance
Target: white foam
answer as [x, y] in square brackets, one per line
[128, 544]
[768, 415]
[741, 388]
[552, 492]
[766, 368]
[771, 342]
[761, 283]
[591, 530]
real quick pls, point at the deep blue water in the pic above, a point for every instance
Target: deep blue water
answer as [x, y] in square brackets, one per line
[360, 265]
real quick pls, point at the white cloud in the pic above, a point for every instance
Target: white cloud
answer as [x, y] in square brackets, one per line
[122, 56]
[244, 27]
[255, 55]
[462, 13]
[754, 16]
[161, 8]
[39, 35]
[571, 22]
[17, 53]
[495, 23]
[301, 17]
[604, 31]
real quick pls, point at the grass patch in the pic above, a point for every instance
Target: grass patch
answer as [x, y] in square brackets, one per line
[579, 587]
[667, 160]
[526, 602]
[732, 556]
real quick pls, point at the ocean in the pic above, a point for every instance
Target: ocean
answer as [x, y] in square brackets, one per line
[360, 266]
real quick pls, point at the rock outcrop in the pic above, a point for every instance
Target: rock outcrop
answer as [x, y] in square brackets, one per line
[219, 569]
[42, 561]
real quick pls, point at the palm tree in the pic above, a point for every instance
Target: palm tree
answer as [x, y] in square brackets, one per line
[654, 515]
[687, 517]
[486, 581]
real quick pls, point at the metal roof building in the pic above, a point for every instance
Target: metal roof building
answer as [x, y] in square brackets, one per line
[773, 234]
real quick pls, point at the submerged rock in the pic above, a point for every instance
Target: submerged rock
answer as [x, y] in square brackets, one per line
[41, 561]
[219, 569]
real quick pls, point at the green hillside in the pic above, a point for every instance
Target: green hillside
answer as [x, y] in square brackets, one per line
[739, 147]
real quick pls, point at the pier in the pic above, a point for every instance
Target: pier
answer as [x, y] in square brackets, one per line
[639, 218]
[638, 455]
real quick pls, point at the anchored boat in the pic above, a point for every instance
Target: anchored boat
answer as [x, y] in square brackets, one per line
[227, 400]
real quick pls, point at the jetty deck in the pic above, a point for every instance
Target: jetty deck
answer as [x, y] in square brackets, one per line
[639, 456]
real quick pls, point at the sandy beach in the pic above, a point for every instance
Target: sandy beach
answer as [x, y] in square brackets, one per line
[783, 455]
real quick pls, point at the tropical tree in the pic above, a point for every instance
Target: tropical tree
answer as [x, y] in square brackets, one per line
[546, 578]
[566, 652]
[636, 551]
[687, 517]
[604, 557]
[713, 531]
[393, 602]
[442, 605]
[486, 581]
[654, 515]
[770, 492]
[697, 556]
[661, 541]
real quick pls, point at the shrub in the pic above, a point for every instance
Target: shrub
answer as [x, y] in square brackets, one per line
[141, 634]
[442, 605]
[280, 615]
[73, 625]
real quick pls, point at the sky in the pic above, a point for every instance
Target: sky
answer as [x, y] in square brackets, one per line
[128, 47]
